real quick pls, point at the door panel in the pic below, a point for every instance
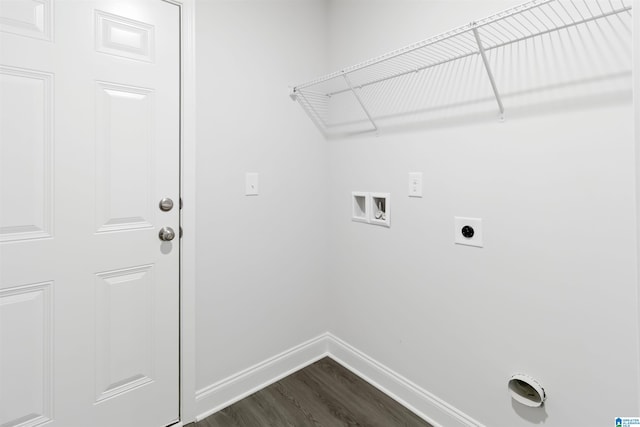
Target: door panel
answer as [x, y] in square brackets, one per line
[25, 154]
[120, 36]
[125, 157]
[124, 330]
[26, 369]
[31, 18]
[89, 144]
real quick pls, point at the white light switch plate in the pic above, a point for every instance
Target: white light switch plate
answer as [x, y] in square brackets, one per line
[251, 184]
[474, 223]
[415, 184]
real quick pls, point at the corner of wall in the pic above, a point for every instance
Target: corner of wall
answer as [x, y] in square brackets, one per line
[437, 412]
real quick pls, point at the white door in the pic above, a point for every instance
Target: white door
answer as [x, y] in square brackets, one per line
[89, 145]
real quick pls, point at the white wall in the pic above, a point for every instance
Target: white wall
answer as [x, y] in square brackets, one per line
[261, 261]
[553, 293]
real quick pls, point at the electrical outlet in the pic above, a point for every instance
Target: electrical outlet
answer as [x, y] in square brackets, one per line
[468, 231]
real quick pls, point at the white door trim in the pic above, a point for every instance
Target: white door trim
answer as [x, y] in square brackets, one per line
[188, 214]
[636, 102]
[188, 192]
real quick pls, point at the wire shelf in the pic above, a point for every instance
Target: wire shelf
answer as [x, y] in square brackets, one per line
[354, 94]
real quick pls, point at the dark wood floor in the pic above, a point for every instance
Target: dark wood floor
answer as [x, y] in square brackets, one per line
[323, 394]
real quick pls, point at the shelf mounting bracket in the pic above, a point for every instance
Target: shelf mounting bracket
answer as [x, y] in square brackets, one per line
[346, 79]
[488, 69]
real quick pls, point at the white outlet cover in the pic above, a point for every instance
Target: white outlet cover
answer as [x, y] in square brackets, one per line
[415, 184]
[251, 184]
[475, 223]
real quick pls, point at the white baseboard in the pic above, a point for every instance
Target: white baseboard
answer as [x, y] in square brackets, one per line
[236, 387]
[415, 398]
[219, 395]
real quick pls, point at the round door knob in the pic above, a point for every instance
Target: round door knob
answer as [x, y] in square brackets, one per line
[166, 234]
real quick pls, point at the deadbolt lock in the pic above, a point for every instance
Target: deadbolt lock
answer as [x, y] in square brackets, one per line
[166, 204]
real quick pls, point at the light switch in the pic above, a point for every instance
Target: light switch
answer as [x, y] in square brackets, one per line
[415, 184]
[251, 184]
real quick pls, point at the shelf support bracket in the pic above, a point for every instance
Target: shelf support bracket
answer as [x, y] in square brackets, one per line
[346, 79]
[488, 69]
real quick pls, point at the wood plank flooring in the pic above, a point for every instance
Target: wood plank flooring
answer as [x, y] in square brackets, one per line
[324, 394]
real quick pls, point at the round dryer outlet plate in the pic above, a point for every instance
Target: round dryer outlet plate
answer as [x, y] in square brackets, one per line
[467, 231]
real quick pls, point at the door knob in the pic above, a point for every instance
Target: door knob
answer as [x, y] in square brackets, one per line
[166, 234]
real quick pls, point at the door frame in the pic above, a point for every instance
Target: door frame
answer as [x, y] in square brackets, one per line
[187, 365]
[636, 113]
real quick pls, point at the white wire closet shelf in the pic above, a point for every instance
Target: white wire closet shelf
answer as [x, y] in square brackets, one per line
[357, 85]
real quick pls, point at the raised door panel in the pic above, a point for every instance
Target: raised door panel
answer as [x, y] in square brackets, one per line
[25, 371]
[120, 36]
[125, 157]
[124, 330]
[30, 18]
[26, 151]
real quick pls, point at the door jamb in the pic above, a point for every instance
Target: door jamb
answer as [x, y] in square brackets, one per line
[187, 366]
[188, 217]
[636, 114]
